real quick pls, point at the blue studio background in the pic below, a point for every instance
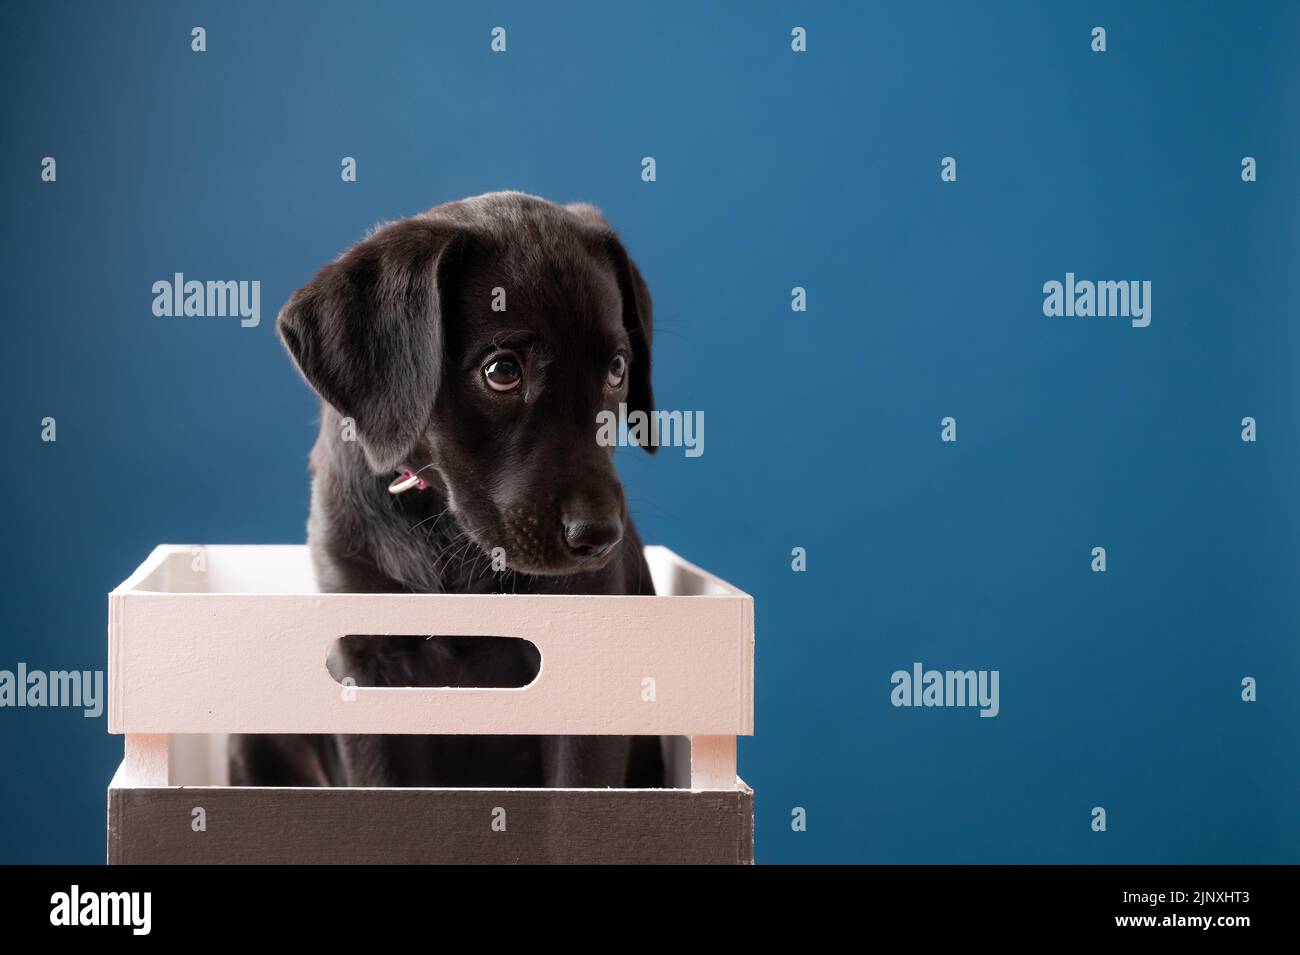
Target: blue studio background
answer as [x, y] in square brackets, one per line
[775, 170]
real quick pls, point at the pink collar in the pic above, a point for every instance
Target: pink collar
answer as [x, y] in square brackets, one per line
[408, 480]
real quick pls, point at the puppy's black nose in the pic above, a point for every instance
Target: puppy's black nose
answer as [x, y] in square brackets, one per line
[588, 537]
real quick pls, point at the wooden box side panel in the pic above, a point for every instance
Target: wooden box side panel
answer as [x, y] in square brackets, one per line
[235, 663]
[429, 826]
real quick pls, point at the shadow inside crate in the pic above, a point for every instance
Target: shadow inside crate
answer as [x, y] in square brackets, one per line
[203, 759]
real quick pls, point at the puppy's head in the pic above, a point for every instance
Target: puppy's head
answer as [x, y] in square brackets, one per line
[477, 344]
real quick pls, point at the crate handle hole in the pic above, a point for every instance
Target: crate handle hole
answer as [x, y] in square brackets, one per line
[437, 662]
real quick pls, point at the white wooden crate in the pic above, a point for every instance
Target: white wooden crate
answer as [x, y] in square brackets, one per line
[208, 641]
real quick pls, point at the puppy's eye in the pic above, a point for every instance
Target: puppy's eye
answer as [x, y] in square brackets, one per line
[617, 370]
[503, 373]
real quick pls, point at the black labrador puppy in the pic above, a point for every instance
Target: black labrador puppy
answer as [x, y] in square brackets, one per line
[464, 355]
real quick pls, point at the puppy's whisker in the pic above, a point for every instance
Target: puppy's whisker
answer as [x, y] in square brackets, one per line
[421, 523]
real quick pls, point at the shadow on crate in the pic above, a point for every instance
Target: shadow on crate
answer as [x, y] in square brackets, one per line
[479, 761]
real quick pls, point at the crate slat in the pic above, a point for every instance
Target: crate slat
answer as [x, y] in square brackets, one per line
[423, 826]
[254, 661]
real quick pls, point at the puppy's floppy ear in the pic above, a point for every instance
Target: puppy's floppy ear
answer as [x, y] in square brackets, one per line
[638, 314]
[638, 319]
[367, 334]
